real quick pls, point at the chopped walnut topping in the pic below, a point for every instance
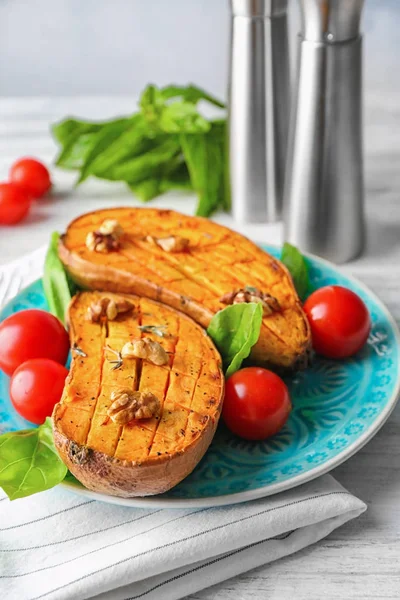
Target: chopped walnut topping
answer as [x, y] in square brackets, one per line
[111, 227]
[128, 405]
[106, 238]
[106, 308]
[172, 243]
[146, 349]
[251, 294]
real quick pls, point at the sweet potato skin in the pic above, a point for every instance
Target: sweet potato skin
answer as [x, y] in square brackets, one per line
[101, 473]
[80, 408]
[285, 339]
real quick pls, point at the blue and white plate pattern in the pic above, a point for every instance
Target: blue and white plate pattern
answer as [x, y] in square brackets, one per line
[337, 408]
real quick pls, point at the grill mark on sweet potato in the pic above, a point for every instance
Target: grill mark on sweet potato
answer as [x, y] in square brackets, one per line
[138, 375]
[145, 264]
[139, 361]
[165, 390]
[103, 335]
[106, 329]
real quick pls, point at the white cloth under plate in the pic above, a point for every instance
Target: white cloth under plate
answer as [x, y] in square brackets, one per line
[58, 545]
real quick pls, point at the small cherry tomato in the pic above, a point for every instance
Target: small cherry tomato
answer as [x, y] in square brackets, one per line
[36, 387]
[32, 176]
[14, 203]
[339, 321]
[31, 334]
[257, 403]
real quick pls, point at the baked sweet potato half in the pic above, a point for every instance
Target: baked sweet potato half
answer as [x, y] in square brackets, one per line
[193, 265]
[143, 397]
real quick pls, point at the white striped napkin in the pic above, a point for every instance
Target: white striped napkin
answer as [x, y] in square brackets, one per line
[60, 546]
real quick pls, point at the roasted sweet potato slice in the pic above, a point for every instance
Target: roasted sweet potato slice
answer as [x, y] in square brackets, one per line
[189, 263]
[146, 456]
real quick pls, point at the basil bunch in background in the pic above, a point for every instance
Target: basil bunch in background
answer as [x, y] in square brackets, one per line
[167, 145]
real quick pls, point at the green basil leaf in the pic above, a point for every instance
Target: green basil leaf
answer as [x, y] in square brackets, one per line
[132, 143]
[71, 479]
[29, 462]
[178, 179]
[205, 156]
[74, 154]
[220, 135]
[58, 287]
[297, 266]
[65, 129]
[77, 139]
[235, 330]
[190, 93]
[147, 165]
[182, 117]
[153, 100]
[104, 139]
[146, 190]
[151, 103]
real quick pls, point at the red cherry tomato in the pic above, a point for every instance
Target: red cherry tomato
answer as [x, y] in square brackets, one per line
[31, 175]
[257, 403]
[339, 320]
[36, 387]
[14, 203]
[31, 334]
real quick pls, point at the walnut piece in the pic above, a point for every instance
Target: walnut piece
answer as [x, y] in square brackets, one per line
[106, 238]
[172, 243]
[251, 294]
[128, 405]
[146, 349]
[111, 227]
[107, 308]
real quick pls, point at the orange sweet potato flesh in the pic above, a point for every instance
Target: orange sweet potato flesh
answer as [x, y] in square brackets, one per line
[216, 262]
[142, 457]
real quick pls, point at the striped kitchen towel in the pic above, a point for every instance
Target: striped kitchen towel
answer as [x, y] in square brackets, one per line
[58, 545]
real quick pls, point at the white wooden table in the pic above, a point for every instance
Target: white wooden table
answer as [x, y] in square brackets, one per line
[361, 560]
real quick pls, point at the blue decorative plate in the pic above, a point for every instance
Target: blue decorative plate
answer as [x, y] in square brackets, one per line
[337, 408]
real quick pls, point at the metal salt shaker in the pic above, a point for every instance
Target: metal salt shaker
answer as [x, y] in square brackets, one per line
[324, 188]
[258, 108]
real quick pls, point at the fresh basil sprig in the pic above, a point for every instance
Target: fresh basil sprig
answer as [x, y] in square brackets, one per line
[296, 264]
[29, 462]
[235, 330]
[167, 145]
[206, 159]
[58, 287]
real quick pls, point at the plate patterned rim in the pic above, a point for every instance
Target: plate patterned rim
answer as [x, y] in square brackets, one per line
[323, 464]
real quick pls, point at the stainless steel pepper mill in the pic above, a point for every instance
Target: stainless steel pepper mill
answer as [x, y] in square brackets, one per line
[258, 108]
[324, 189]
